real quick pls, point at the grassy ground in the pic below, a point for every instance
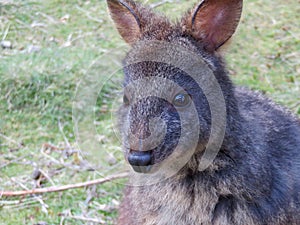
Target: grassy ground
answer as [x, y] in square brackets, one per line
[57, 46]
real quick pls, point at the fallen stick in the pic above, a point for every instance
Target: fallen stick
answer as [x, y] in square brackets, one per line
[93, 220]
[64, 187]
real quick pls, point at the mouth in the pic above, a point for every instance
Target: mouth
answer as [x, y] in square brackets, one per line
[142, 169]
[141, 161]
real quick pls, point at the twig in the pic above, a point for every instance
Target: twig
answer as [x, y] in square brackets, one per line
[17, 202]
[48, 156]
[154, 5]
[11, 140]
[49, 18]
[87, 219]
[22, 206]
[47, 177]
[296, 105]
[64, 187]
[87, 14]
[40, 200]
[61, 129]
[14, 160]
[60, 163]
[61, 222]
[6, 32]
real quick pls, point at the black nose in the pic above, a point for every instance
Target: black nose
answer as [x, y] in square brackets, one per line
[140, 158]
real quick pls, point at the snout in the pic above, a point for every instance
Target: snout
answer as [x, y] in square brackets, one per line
[141, 161]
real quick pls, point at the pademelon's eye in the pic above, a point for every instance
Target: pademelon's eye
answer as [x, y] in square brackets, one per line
[125, 100]
[181, 100]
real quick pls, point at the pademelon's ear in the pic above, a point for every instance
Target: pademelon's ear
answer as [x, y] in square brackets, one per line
[125, 16]
[213, 22]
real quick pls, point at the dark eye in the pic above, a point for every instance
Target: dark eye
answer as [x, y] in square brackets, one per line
[181, 100]
[125, 100]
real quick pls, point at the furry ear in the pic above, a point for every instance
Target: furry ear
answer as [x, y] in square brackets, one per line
[213, 22]
[126, 19]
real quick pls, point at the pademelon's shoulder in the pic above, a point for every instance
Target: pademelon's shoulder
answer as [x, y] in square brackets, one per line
[259, 107]
[273, 129]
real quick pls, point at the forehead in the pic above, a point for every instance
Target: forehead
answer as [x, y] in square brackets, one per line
[149, 78]
[166, 59]
[146, 69]
[158, 79]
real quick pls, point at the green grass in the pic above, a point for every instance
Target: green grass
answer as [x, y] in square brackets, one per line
[38, 88]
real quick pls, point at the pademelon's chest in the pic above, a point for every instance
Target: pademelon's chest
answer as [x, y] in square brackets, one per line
[176, 204]
[187, 203]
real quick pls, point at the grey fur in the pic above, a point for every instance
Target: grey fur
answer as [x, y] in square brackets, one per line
[255, 178]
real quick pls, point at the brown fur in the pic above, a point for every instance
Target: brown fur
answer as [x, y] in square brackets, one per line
[254, 180]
